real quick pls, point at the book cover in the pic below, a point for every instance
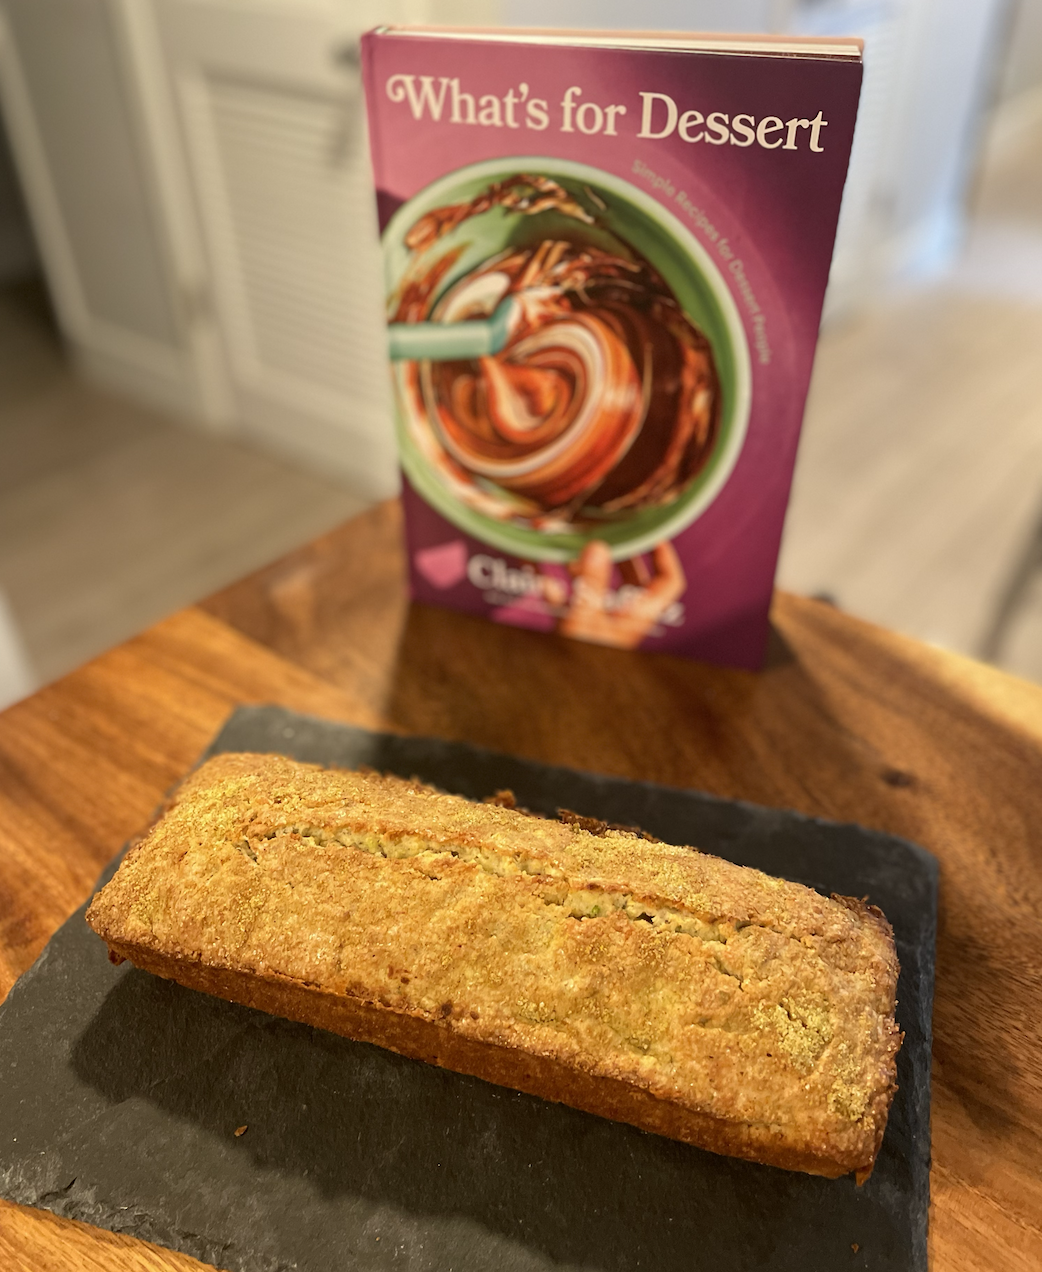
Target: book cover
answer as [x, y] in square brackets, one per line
[605, 259]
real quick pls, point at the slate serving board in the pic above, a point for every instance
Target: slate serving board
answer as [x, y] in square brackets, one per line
[120, 1093]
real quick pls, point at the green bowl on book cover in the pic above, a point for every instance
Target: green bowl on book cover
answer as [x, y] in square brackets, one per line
[526, 489]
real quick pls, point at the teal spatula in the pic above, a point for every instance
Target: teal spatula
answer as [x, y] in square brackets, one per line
[453, 341]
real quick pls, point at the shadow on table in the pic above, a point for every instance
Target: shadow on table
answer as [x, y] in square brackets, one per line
[360, 1122]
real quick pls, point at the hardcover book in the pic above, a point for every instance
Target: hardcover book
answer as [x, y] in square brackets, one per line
[606, 257]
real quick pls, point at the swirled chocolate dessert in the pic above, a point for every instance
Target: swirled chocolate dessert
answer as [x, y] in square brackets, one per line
[605, 399]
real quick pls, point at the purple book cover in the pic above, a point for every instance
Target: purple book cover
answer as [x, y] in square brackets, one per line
[605, 261]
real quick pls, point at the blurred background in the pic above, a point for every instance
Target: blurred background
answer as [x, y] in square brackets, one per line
[191, 348]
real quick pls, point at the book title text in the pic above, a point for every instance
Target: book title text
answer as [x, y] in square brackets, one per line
[445, 101]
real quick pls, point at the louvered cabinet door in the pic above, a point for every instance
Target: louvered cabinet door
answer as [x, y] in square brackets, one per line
[268, 100]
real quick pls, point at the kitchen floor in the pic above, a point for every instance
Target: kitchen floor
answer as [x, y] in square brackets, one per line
[917, 501]
[111, 516]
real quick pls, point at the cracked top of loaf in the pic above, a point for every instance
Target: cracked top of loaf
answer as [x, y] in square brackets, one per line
[713, 986]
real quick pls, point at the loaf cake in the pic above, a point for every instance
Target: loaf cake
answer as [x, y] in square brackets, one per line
[637, 980]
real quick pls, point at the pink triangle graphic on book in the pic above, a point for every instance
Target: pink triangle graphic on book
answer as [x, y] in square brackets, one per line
[445, 565]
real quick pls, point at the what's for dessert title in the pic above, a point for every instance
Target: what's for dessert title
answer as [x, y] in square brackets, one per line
[443, 100]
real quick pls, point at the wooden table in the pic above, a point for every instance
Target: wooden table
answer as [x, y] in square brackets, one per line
[848, 721]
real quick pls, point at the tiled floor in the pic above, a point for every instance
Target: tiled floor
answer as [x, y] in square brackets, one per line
[918, 490]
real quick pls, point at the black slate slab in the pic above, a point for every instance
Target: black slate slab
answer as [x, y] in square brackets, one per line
[120, 1093]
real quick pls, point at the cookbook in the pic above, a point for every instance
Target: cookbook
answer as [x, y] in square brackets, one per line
[605, 260]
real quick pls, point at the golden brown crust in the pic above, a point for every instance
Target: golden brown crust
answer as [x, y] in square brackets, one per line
[645, 982]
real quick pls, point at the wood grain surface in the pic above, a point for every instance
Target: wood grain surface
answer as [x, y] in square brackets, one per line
[847, 721]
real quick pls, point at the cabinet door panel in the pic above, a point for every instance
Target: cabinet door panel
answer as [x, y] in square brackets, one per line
[272, 121]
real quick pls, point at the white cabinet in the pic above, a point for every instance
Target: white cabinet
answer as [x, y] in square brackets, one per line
[269, 112]
[198, 177]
